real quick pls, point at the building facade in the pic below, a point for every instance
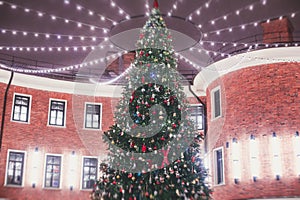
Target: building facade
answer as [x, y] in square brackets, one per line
[52, 144]
[253, 142]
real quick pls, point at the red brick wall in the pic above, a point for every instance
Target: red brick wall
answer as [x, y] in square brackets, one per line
[277, 30]
[53, 140]
[257, 100]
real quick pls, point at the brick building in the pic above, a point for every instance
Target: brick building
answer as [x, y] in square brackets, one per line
[52, 136]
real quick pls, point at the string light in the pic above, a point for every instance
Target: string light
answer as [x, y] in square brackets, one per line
[41, 14]
[255, 23]
[79, 7]
[198, 10]
[85, 48]
[66, 68]
[49, 35]
[237, 12]
[174, 6]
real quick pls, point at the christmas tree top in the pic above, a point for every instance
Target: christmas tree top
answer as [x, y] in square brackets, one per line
[155, 42]
[155, 4]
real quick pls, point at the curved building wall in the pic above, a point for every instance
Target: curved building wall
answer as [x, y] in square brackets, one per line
[37, 141]
[253, 146]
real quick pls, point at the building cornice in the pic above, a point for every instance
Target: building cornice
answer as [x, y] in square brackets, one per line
[244, 60]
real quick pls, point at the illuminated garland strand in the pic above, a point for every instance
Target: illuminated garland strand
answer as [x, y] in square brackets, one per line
[53, 17]
[237, 12]
[254, 23]
[66, 68]
[121, 11]
[57, 48]
[198, 10]
[90, 12]
[49, 35]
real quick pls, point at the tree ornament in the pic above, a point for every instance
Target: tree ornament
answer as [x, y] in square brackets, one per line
[144, 148]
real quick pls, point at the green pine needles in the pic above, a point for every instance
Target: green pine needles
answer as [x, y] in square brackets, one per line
[154, 150]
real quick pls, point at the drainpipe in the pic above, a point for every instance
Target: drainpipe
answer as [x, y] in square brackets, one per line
[205, 115]
[4, 107]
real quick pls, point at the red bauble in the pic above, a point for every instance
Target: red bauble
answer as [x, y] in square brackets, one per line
[193, 159]
[132, 144]
[144, 148]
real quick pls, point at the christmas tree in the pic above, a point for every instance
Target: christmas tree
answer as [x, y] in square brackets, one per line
[153, 146]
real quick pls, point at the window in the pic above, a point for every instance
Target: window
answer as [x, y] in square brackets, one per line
[196, 114]
[89, 177]
[92, 116]
[219, 166]
[216, 102]
[57, 111]
[15, 166]
[53, 171]
[21, 108]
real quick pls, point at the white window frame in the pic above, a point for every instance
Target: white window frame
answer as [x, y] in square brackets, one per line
[29, 108]
[24, 167]
[213, 102]
[203, 122]
[215, 166]
[61, 172]
[65, 113]
[84, 118]
[82, 165]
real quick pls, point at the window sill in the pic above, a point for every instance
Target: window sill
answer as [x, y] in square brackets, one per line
[216, 118]
[14, 186]
[21, 122]
[92, 129]
[86, 190]
[56, 126]
[50, 188]
[220, 185]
